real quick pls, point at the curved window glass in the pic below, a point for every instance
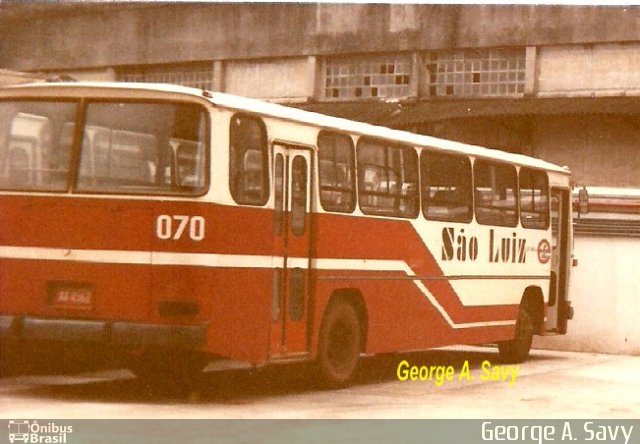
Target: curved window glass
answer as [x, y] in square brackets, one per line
[248, 160]
[337, 177]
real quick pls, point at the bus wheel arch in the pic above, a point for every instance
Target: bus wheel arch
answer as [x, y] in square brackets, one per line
[528, 323]
[533, 303]
[342, 337]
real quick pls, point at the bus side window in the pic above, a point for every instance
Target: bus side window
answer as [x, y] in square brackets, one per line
[446, 187]
[534, 198]
[337, 178]
[388, 179]
[495, 193]
[248, 161]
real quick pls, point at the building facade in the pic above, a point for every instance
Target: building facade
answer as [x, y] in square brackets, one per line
[557, 82]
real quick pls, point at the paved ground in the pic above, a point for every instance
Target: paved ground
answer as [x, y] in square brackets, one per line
[550, 385]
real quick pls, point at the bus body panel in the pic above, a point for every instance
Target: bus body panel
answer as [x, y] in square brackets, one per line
[59, 243]
[399, 279]
[112, 247]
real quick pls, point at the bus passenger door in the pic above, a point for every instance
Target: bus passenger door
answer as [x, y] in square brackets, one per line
[557, 308]
[292, 190]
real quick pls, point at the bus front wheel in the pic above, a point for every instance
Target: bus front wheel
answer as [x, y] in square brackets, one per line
[517, 349]
[339, 345]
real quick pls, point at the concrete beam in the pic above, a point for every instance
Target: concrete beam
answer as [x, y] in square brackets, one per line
[57, 37]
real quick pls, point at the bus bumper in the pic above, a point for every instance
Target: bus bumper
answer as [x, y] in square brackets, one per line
[117, 334]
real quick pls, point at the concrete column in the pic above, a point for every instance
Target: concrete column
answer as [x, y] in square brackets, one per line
[531, 71]
[417, 82]
[315, 79]
[218, 76]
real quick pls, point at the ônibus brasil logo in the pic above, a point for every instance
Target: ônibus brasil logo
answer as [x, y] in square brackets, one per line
[33, 432]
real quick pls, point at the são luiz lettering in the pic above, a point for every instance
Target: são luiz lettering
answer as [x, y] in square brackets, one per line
[440, 374]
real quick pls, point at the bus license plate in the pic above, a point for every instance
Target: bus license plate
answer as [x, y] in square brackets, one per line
[73, 297]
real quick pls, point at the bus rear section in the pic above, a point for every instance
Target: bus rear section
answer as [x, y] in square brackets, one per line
[93, 191]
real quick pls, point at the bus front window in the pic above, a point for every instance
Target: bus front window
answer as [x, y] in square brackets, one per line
[143, 148]
[35, 145]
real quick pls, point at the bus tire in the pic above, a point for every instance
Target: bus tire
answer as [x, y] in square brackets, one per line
[517, 349]
[339, 345]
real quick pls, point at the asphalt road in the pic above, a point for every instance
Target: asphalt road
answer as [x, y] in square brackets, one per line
[549, 385]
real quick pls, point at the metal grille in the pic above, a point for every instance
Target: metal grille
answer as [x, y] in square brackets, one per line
[194, 75]
[606, 227]
[367, 77]
[469, 73]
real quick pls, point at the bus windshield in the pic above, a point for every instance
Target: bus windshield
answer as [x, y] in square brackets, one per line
[127, 147]
[35, 144]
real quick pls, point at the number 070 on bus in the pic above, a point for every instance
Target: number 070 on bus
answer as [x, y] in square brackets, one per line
[178, 226]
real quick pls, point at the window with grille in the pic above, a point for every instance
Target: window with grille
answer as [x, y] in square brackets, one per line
[195, 75]
[367, 77]
[468, 73]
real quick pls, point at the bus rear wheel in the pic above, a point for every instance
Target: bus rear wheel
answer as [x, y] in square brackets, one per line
[517, 349]
[339, 345]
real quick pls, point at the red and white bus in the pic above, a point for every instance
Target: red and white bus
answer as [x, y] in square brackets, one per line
[179, 226]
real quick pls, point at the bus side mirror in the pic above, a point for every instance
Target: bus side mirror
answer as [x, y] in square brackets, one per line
[583, 201]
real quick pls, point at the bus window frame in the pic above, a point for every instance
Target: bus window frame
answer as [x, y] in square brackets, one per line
[266, 149]
[548, 196]
[353, 173]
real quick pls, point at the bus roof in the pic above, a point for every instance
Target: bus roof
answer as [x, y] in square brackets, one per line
[293, 114]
